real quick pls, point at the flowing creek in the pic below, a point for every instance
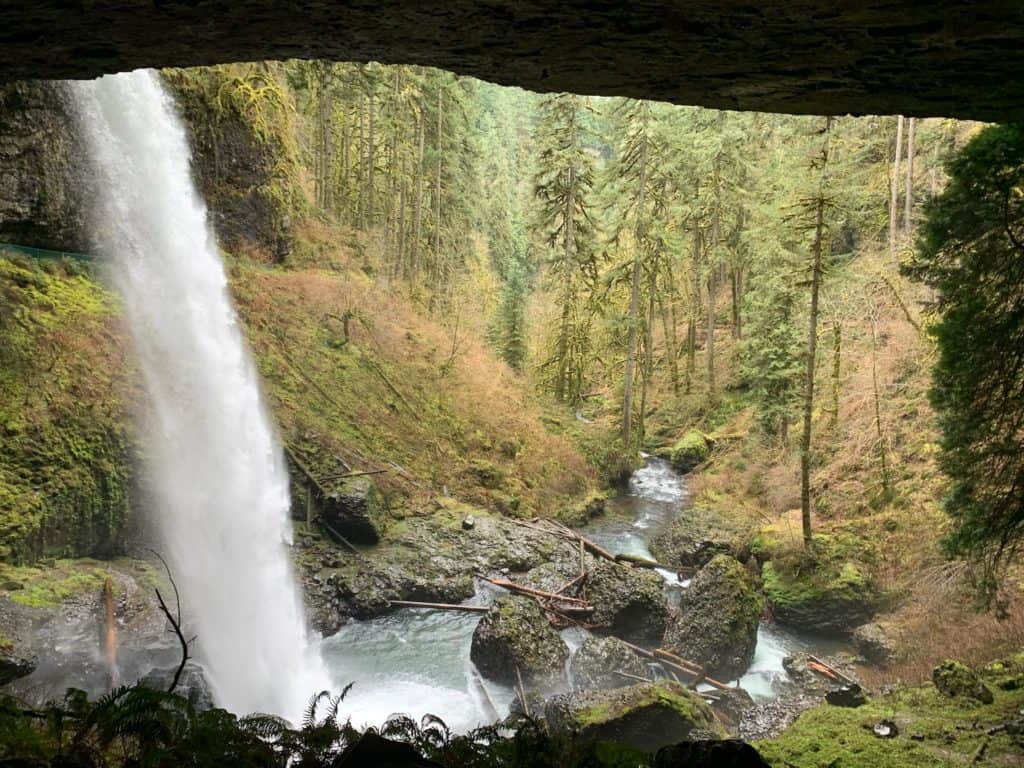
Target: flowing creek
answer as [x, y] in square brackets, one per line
[416, 661]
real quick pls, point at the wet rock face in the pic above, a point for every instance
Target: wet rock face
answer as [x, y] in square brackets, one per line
[716, 625]
[628, 602]
[598, 662]
[41, 199]
[959, 58]
[646, 715]
[515, 633]
[953, 679]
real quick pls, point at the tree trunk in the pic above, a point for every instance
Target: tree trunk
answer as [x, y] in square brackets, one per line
[361, 176]
[648, 366]
[371, 213]
[437, 185]
[634, 293]
[691, 326]
[837, 344]
[568, 267]
[894, 188]
[417, 209]
[878, 409]
[812, 344]
[709, 347]
[404, 264]
[908, 204]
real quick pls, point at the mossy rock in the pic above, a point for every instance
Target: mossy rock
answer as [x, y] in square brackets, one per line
[718, 617]
[697, 535]
[647, 716]
[628, 602]
[691, 449]
[515, 633]
[354, 508]
[953, 679]
[598, 662]
[834, 597]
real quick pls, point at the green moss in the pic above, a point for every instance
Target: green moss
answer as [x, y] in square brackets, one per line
[690, 450]
[49, 586]
[946, 732]
[65, 471]
[666, 694]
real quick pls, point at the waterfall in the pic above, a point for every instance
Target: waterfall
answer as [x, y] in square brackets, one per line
[218, 479]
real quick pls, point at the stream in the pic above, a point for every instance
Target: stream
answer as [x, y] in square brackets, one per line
[416, 661]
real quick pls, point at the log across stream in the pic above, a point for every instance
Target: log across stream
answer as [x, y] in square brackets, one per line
[416, 660]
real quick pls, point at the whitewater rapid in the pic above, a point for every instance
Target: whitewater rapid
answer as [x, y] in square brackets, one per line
[217, 476]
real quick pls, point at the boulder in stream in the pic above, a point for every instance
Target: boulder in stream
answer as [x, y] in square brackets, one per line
[628, 602]
[691, 449]
[835, 598]
[192, 684]
[600, 660]
[513, 634]
[698, 535]
[354, 509]
[716, 625]
[646, 715]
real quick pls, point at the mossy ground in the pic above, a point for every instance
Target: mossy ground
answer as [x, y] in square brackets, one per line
[934, 730]
[48, 584]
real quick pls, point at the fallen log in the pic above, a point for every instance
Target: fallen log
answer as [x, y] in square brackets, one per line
[347, 475]
[700, 675]
[828, 670]
[513, 587]
[439, 606]
[629, 676]
[643, 562]
[571, 583]
[337, 536]
[478, 683]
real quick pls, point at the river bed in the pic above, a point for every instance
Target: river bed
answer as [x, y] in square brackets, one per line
[416, 661]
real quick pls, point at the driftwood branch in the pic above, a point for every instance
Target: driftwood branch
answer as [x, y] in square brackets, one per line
[175, 621]
[439, 606]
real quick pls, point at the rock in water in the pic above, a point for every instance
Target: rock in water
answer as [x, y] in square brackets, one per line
[628, 602]
[355, 509]
[728, 753]
[698, 535]
[596, 664]
[955, 679]
[515, 633]
[646, 715]
[716, 625]
[834, 601]
[468, 523]
[192, 685]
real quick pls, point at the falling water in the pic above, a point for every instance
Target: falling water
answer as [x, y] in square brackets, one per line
[218, 477]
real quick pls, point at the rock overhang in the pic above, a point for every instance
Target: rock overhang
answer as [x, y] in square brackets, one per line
[953, 58]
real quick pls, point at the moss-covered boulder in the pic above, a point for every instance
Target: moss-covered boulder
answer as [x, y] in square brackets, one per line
[954, 679]
[355, 509]
[716, 625]
[697, 535]
[628, 602]
[691, 449]
[646, 715]
[834, 597]
[516, 634]
[598, 662]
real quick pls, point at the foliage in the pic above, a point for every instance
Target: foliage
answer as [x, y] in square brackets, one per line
[971, 251]
[134, 726]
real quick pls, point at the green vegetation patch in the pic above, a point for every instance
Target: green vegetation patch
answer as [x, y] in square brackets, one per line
[934, 730]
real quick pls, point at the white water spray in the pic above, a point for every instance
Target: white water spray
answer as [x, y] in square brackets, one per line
[218, 475]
